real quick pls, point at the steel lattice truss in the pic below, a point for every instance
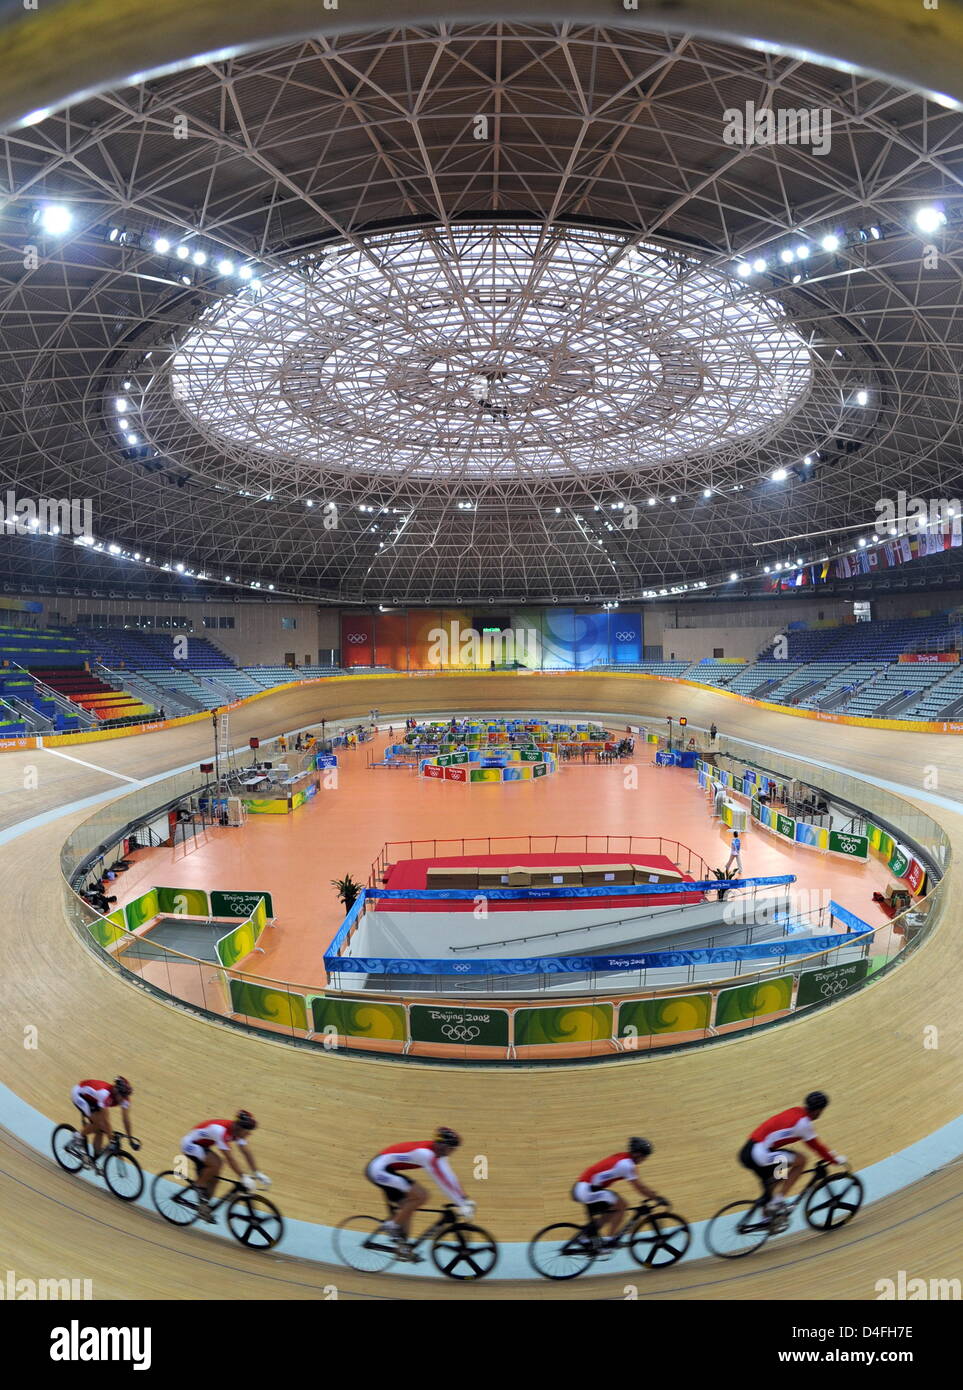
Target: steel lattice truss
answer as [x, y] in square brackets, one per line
[491, 312]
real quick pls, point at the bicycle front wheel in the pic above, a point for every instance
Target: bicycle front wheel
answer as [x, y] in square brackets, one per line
[833, 1201]
[123, 1176]
[175, 1198]
[737, 1230]
[660, 1239]
[562, 1251]
[254, 1221]
[64, 1136]
[361, 1243]
[464, 1252]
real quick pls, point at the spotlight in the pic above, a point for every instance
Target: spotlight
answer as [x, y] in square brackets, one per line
[787, 255]
[707, 492]
[743, 269]
[759, 265]
[875, 233]
[182, 253]
[802, 252]
[121, 404]
[830, 242]
[930, 219]
[245, 272]
[862, 397]
[55, 219]
[733, 575]
[199, 258]
[779, 475]
[225, 267]
[162, 245]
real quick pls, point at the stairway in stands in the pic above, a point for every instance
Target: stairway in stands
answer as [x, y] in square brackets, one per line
[90, 692]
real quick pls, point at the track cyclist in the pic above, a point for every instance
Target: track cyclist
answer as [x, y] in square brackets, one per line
[210, 1144]
[388, 1171]
[606, 1209]
[95, 1100]
[777, 1167]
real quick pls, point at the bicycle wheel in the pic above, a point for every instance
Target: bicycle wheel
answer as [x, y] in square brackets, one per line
[254, 1220]
[562, 1251]
[833, 1201]
[737, 1230]
[123, 1176]
[175, 1199]
[660, 1239]
[360, 1244]
[62, 1136]
[464, 1252]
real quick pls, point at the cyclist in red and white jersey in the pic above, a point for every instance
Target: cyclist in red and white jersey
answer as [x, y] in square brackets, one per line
[95, 1100]
[388, 1171]
[777, 1167]
[606, 1209]
[209, 1144]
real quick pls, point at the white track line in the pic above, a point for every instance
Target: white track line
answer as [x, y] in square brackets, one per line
[56, 753]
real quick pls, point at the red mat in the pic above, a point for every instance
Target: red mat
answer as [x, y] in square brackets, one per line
[413, 873]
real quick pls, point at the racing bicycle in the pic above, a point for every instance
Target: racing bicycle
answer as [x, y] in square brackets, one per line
[118, 1168]
[653, 1236]
[828, 1200]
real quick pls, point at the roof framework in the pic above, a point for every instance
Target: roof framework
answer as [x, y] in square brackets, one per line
[346, 150]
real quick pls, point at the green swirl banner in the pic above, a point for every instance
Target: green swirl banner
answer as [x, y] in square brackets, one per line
[191, 901]
[270, 1004]
[107, 930]
[753, 1001]
[142, 909]
[576, 1023]
[358, 1018]
[685, 1013]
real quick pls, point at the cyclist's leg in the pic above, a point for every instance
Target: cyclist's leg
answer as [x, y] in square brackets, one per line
[102, 1130]
[763, 1172]
[84, 1109]
[598, 1203]
[787, 1172]
[397, 1190]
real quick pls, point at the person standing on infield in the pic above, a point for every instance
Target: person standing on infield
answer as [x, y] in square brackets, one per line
[735, 853]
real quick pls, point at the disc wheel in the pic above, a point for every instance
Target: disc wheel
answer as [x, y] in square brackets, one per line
[254, 1221]
[660, 1239]
[737, 1230]
[562, 1251]
[123, 1176]
[464, 1252]
[62, 1136]
[361, 1245]
[176, 1200]
[834, 1201]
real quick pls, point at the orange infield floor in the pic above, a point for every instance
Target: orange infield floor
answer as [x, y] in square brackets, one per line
[342, 830]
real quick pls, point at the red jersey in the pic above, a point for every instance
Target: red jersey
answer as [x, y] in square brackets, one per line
[788, 1127]
[102, 1094]
[615, 1168]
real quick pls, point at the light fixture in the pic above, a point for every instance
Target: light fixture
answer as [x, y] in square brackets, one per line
[133, 439]
[199, 258]
[930, 219]
[179, 567]
[672, 498]
[651, 501]
[786, 255]
[707, 492]
[225, 267]
[128, 385]
[875, 233]
[802, 251]
[182, 253]
[779, 475]
[759, 265]
[743, 269]
[245, 272]
[121, 404]
[830, 242]
[162, 245]
[862, 397]
[55, 219]
[862, 541]
[733, 575]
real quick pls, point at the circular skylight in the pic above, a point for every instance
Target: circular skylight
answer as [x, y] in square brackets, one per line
[491, 351]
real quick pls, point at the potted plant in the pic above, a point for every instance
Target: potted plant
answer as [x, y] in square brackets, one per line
[347, 890]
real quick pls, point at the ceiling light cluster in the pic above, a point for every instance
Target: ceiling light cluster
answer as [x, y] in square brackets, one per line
[928, 219]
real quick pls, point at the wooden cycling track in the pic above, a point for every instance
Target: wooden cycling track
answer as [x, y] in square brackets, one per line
[323, 1114]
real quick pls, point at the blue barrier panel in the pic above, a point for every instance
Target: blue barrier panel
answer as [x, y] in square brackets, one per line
[853, 923]
[623, 890]
[573, 965]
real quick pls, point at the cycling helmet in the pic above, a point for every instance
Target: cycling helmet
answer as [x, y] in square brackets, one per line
[817, 1100]
[447, 1136]
[245, 1120]
[123, 1087]
[639, 1148]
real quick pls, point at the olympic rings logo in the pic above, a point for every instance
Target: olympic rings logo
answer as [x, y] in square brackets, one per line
[624, 636]
[460, 1032]
[356, 637]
